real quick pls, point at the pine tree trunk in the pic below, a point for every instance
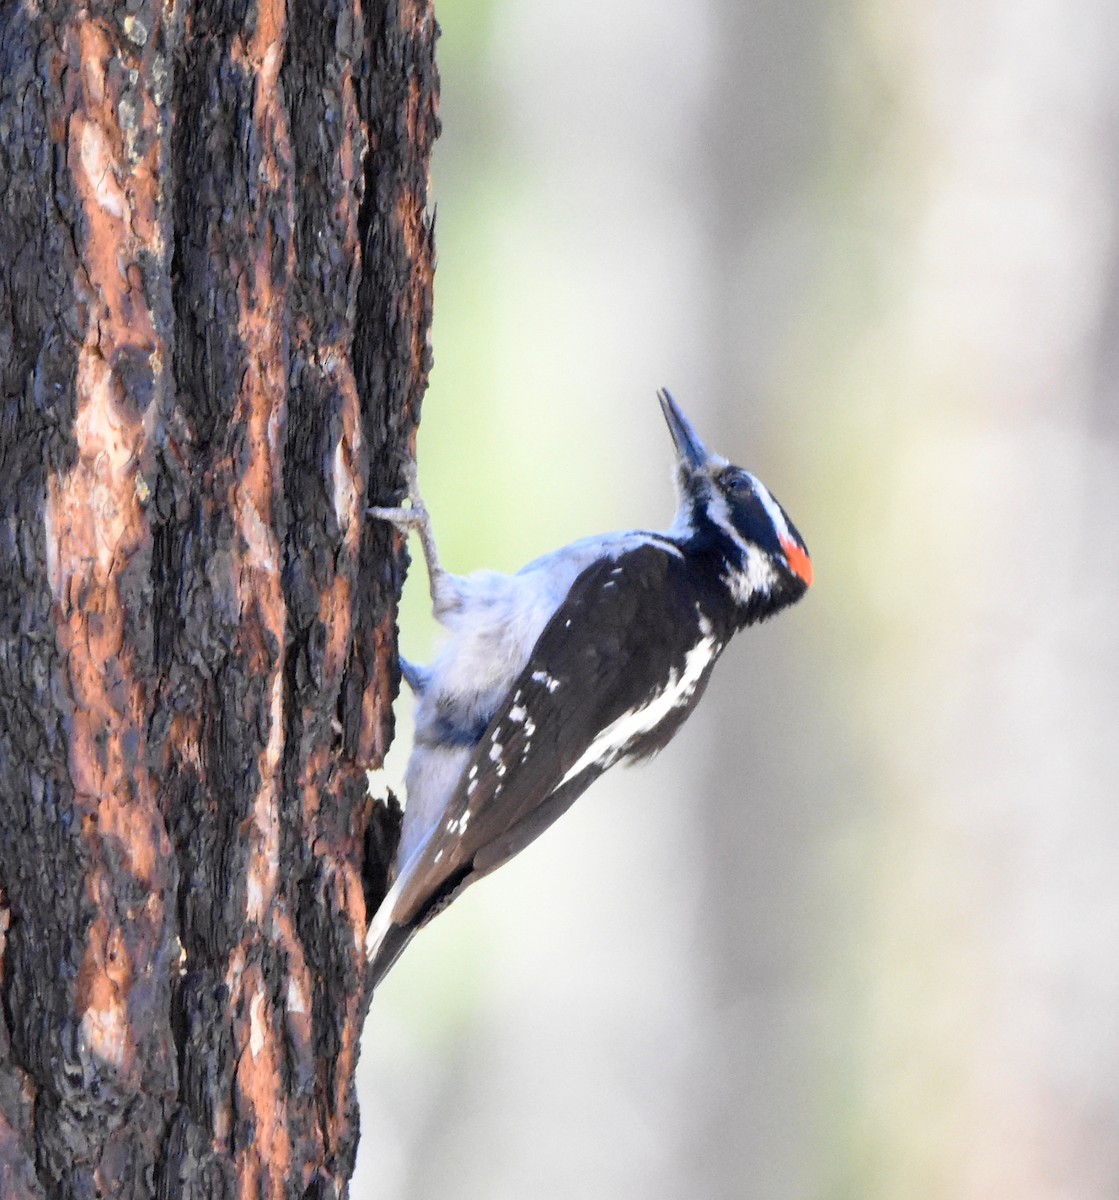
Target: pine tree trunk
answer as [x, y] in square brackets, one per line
[215, 292]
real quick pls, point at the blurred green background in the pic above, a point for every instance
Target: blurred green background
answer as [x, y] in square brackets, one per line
[854, 934]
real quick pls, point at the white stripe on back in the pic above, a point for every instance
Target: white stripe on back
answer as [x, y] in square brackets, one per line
[620, 733]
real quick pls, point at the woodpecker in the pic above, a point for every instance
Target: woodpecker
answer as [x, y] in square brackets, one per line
[591, 655]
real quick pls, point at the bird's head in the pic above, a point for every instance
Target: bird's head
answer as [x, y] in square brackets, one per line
[731, 511]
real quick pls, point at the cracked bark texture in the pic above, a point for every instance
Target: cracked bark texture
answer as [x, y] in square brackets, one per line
[215, 292]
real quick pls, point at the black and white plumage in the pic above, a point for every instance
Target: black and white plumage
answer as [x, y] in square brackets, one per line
[591, 655]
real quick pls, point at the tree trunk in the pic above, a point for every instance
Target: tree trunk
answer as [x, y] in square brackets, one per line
[215, 293]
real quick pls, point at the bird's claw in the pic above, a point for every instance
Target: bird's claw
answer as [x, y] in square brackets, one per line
[415, 516]
[403, 518]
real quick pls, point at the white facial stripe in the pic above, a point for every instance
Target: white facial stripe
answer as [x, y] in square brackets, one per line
[620, 733]
[772, 508]
[757, 573]
[719, 513]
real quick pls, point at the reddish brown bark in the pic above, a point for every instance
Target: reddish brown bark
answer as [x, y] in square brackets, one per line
[215, 292]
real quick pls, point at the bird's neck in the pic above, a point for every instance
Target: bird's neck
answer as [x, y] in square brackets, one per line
[739, 583]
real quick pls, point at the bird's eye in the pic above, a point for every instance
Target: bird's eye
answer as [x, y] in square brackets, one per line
[738, 485]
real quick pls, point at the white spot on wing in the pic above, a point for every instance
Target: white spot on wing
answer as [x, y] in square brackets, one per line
[549, 681]
[619, 734]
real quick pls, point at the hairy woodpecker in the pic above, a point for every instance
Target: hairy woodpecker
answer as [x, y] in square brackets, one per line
[589, 656]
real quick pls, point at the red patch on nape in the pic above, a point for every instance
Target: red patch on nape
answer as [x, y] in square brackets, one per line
[799, 562]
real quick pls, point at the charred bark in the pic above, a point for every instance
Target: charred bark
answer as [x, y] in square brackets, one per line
[215, 292]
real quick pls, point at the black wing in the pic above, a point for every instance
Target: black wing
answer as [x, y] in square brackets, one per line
[602, 655]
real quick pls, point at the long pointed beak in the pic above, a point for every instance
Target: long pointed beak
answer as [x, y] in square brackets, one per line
[688, 445]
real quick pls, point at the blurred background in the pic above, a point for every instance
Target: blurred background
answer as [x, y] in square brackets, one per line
[855, 934]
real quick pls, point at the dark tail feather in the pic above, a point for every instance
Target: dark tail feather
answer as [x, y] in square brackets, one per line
[388, 951]
[388, 940]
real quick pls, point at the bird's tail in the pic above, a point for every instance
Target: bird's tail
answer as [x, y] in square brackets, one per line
[388, 948]
[386, 937]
